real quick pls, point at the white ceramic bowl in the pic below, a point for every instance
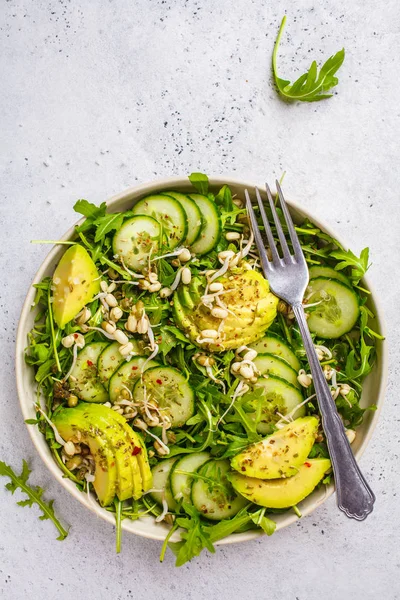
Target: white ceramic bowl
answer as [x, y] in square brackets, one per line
[373, 390]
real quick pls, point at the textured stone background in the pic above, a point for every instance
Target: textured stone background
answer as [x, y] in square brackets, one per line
[96, 96]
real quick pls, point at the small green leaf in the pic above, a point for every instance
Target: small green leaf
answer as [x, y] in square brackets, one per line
[310, 86]
[107, 223]
[34, 494]
[200, 182]
[89, 210]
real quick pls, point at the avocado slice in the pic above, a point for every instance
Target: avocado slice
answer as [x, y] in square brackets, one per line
[285, 492]
[75, 282]
[138, 450]
[129, 481]
[252, 306]
[281, 453]
[68, 422]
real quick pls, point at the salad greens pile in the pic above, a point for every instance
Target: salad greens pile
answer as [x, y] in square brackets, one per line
[190, 401]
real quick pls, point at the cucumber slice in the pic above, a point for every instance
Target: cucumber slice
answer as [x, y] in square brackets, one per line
[268, 364]
[84, 380]
[213, 495]
[110, 359]
[169, 213]
[211, 228]
[170, 390]
[278, 396]
[161, 481]
[126, 375]
[180, 477]
[273, 344]
[193, 214]
[322, 271]
[339, 310]
[137, 239]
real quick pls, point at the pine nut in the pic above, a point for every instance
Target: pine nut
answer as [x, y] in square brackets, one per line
[185, 255]
[250, 355]
[143, 325]
[140, 424]
[108, 327]
[351, 435]
[121, 337]
[131, 324]
[111, 300]
[68, 341]
[232, 236]
[103, 286]
[116, 313]
[111, 287]
[246, 372]
[304, 379]
[153, 277]
[144, 284]
[83, 316]
[165, 292]
[215, 287]
[79, 340]
[219, 313]
[209, 333]
[186, 276]
[235, 367]
[126, 349]
[226, 254]
[69, 448]
[155, 287]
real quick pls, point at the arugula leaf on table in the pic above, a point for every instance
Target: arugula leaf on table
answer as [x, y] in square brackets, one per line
[34, 494]
[311, 86]
[358, 265]
[200, 182]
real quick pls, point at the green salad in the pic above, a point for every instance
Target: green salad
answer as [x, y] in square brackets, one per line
[173, 384]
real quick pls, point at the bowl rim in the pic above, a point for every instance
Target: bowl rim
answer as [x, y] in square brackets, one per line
[35, 434]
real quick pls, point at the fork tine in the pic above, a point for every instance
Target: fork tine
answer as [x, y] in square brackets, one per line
[271, 242]
[298, 252]
[278, 225]
[257, 235]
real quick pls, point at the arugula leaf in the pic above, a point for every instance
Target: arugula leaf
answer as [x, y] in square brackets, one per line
[266, 524]
[363, 361]
[311, 86]
[224, 199]
[200, 182]
[194, 539]
[34, 494]
[358, 265]
[107, 223]
[89, 210]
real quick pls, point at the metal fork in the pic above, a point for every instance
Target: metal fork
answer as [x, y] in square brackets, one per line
[288, 278]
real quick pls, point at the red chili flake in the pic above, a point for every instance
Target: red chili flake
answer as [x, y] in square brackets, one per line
[159, 381]
[75, 335]
[89, 363]
[338, 369]
[134, 368]
[112, 464]
[136, 450]
[308, 464]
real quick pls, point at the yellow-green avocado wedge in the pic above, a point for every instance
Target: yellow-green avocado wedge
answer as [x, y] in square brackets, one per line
[285, 492]
[75, 282]
[69, 422]
[281, 453]
[129, 481]
[138, 449]
[252, 305]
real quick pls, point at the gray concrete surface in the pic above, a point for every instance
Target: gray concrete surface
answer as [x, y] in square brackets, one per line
[96, 96]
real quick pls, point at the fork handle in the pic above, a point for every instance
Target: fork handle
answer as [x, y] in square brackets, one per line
[355, 497]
